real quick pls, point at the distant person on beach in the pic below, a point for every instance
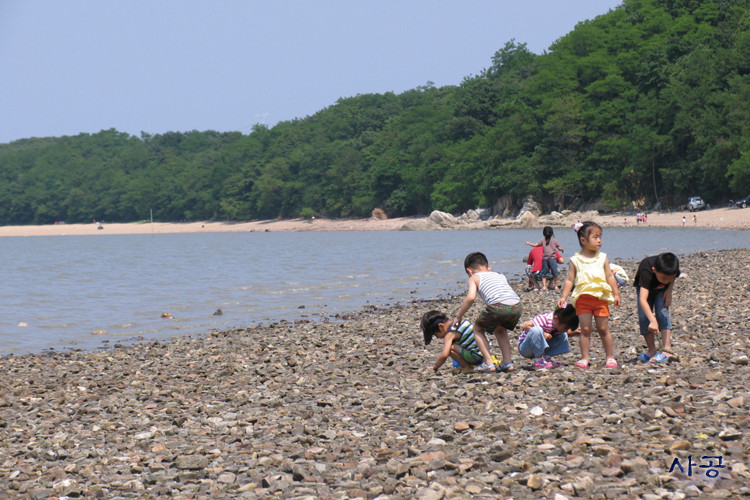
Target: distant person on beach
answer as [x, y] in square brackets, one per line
[501, 313]
[534, 268]
[595, 289]
[458, 341]
[654, 282]
[683, 221]
[695, 220]
[549, 262]
[546, 335]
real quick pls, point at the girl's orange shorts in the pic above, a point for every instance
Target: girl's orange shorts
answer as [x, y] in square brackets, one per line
[588, 304]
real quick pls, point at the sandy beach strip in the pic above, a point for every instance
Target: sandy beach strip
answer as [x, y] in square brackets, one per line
[721, 218]
[206, 227]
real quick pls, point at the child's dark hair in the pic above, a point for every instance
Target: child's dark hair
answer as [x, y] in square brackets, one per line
[667, 263]
[429, 323]
[548, 233]
[585, 229]
[567, 316]
[474, 260]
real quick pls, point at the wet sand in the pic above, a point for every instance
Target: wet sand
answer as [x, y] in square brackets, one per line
[721, 218]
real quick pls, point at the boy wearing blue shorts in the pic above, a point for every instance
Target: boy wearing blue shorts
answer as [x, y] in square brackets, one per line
[458, 342]
[654, 282]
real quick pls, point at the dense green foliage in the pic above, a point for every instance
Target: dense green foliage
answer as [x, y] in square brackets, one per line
[648, 102]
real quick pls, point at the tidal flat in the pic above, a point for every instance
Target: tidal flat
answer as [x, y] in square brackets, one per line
[350, 409]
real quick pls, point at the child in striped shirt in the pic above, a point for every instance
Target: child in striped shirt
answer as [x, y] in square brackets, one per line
[458, 342]
[501, 313]
[546, 335]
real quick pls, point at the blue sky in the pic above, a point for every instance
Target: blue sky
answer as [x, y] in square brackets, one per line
[75, 66]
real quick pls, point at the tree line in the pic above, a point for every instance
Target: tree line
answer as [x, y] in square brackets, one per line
[648, 102]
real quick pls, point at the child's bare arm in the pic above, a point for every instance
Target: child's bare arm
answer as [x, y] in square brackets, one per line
[574, 333]
[528, 325]
[532, 244]
[612, 282]
[471, 294]
[568, 286]
[446, 352]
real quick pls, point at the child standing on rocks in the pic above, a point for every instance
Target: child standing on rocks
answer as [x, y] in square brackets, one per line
[458, 341]
[546, 335]
[502, 311]
[595, 290]
[549, 262]
[654, 282]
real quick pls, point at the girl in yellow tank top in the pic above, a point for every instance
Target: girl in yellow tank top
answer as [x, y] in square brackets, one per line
[595, 290]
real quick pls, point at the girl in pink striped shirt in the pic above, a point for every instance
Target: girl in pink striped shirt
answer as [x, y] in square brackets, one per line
[546, 335]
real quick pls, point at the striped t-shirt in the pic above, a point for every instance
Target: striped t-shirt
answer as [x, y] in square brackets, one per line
[544, 321]
[494, 289]
[466, 329]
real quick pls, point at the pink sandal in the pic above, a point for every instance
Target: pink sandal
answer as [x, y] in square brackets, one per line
[611, 363]
[582, 364]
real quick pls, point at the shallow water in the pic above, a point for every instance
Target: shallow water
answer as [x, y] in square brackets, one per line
[65, 287]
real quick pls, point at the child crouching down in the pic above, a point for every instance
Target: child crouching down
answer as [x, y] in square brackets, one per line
[546, 335]
[458, 342]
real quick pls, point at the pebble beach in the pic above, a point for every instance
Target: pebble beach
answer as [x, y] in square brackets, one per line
[349, 409]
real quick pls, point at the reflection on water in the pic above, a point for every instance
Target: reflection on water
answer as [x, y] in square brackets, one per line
[66, 287]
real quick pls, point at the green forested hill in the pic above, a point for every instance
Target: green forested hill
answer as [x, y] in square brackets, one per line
[648, 102]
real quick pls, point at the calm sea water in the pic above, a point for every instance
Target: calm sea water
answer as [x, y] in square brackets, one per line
[66, 287]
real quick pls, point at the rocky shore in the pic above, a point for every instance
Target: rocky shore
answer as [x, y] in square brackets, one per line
[348, 410]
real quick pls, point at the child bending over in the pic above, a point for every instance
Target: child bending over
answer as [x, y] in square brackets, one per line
[502, 311]
[595, 290]
[546, 335]
[458, 341]
[654, 282]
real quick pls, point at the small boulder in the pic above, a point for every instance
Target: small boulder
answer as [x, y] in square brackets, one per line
[531, 206]
[219, 312]
[528, 220]
[472, 215]
[460, 426]
[166, 315]
[379, 214]
[192, 462]
[419, 225]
